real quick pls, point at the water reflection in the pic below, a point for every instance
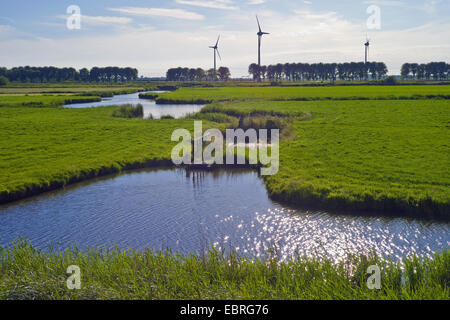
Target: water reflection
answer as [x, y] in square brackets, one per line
[188, 211]
[150, 106]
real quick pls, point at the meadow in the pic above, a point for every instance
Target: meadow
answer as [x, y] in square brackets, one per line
[47, 148]
[42, 101]
[29, 274]
[304, 93]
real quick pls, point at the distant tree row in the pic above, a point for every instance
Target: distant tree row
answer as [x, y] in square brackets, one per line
[53, 74]
[429, 71]
[319, 71]
[187, 74]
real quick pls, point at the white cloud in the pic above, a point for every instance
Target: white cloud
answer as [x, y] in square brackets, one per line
[101, 20]
[95, 20]
[387, 3]
[213, 4]
[255, 2]
[159, 12]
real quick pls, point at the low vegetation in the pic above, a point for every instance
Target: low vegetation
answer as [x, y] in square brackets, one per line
[26, 273]
[218, 94]
[129, 111]
[44, 101]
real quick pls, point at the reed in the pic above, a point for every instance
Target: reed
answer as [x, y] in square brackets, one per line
[27, 273]
[129, 111]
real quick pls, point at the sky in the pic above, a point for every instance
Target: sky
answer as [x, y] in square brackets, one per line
[154, 35]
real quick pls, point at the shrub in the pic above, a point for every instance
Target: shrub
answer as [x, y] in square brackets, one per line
[389, 81]
[3, 81]
[129, 111]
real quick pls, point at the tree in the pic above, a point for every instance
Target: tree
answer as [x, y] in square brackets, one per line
[224, 73]
[3, 81]
[211, 74]
[405, 70]
[254, 70]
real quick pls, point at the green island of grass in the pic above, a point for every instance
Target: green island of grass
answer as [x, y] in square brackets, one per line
[218, 94]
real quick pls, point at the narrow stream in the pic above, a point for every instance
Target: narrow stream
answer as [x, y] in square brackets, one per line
[150, 106]
[188, 211]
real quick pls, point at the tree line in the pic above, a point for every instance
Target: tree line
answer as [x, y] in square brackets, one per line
[189, 74]
[319, 71]
[53, 74]
[429, 71]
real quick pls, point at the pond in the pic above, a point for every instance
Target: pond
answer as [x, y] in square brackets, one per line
[188, 211]
[150, 106]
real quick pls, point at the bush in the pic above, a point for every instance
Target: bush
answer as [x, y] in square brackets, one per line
[129, 111]
[167, 117]
[3, 81]
[390, 81]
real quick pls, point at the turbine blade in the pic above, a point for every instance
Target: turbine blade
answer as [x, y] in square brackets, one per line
[219, 54]
[217, 43]
[259, 26]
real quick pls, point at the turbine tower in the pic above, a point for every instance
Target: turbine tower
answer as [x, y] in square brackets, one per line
[260, 35]
[216, 50]
[367, 45]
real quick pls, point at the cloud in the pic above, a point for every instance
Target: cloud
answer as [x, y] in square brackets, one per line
[254, 2]
[307, 2]
[213, 4]
[387, 3]
[159, 12]
[95, 20]
[101, 20]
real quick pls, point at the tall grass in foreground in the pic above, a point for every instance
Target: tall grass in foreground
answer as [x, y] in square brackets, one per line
[26, 273]
[129, 111]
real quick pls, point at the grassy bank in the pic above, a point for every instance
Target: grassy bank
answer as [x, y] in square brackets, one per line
[44, 101]
[46, 148]
[217, 94]
[26, 273]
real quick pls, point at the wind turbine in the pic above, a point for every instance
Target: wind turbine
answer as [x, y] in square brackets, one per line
[367, 45]
[216, 49]
[260, 35]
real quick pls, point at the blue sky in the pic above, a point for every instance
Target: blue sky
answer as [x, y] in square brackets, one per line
[154, 35]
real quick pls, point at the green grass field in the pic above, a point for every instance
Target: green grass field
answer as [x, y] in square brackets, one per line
[43, 101]
[46, 148]
[26, 273]
[202, 95]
